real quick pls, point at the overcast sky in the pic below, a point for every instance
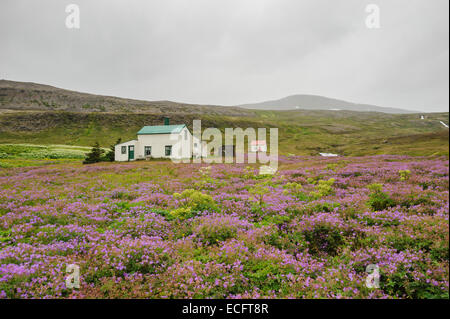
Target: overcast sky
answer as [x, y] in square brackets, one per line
[233, 51]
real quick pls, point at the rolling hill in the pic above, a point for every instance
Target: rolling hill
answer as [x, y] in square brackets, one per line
[315, 102]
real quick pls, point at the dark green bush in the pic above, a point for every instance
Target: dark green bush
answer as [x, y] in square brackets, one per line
[95, 155]
[379, 200]
[324, 239]
[403, 285]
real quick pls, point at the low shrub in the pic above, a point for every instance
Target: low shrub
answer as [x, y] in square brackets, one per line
[196, 200]
[258, 191]
[215, 228]
[182, 213]
[404, 174]
[323, 188]
[403, 285]
[379, 200]
[324, 239]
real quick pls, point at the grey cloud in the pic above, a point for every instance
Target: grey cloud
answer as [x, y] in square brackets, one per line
[233, 51]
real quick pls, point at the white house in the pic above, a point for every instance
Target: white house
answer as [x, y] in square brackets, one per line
[161, 141]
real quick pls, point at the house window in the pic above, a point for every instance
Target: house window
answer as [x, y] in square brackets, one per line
[168, 150]
[185, 135]
[124, 149]
[195, 145]
[148, 151]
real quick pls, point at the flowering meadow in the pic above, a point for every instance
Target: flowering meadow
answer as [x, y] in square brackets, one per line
[162, 230]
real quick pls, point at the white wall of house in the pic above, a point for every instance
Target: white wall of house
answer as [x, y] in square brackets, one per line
[119, 155]
[180, 142]
[157, 142]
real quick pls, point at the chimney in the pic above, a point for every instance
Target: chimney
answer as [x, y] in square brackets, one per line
[166, 120]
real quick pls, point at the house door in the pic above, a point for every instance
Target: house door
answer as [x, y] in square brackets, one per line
[130, 152]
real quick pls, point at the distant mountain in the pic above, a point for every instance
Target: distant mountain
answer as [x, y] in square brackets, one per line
[39, 97]
[316, 102]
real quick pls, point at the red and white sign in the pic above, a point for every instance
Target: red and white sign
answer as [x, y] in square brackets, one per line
[258, 146]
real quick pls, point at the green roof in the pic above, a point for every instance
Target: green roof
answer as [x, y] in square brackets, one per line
[161, 129]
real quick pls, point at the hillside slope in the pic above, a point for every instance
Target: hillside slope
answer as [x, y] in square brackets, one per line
[33, 96]
[300, 132]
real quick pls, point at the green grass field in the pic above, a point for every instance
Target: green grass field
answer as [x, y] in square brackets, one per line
[18, 155]
[56, 135]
